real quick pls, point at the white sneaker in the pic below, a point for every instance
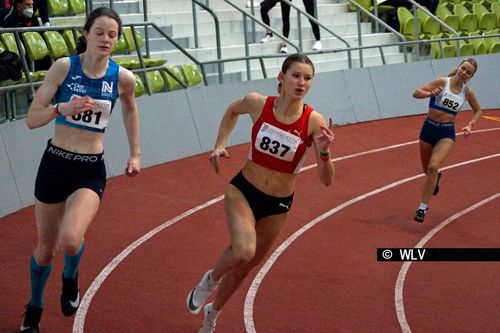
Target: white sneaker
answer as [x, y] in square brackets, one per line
[284, 49]
[46, 24]
[267, 39]
[317, 46]
[209, 319]
[199, 295]
[256, 4]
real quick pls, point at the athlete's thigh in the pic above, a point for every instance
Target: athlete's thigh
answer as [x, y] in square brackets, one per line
[425, 154]
[239, 215]
[268, 229]
[440, 151]
[48, 218]
[81, 207]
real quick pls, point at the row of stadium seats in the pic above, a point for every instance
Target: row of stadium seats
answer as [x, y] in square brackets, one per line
[161, 80]
[66, 7]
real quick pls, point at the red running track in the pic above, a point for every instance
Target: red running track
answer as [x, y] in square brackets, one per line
[327, 279]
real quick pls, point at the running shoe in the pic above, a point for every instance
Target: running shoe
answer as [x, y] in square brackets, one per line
[267, 39]
[199, 295]
[284, 49]
[420, 215]
[31, 322]
[209, 319]
[436, 189]
[317, 46]
[70, 296]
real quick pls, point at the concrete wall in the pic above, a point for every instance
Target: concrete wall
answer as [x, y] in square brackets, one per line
[184, 123]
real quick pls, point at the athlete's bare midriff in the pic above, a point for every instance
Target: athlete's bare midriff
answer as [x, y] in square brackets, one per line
[271, 182]
[78, 140]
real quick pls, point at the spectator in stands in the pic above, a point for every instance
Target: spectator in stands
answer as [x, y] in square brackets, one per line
[21, 15]
[267, 5]
[437, 137]
[43, 10]
[259, 197]
[72, 175]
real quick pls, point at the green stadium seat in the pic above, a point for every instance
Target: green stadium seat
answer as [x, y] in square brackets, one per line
[468, 21]
[495, 8]
[76, 7]
[121, 45]
[129, 39]
[58, 7]
[139, 86]
[430, 27]
[56, 44]
[407, 24]
[479, 46]
[69, 39]
[154, 62]
[170, 82]
[35, 45]
[492, 43]
[449, 51]
[9, 41]
[155, 80]
[445, 15]
[487, 20]
[191, 73]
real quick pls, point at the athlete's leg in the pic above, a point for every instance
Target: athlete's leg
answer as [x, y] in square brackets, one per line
[439, 154]
[267, 230]
[425, 154]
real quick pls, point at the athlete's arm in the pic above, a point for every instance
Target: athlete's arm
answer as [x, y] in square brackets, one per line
[323, 138]
[470, 95]
[430, 89]
[252, 104]
[126, 88]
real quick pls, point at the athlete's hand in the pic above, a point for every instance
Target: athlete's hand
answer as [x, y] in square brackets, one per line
[324, 140]
[466, 130]
[215, 158]
[76, 106]
[133, 166]
[436, 91]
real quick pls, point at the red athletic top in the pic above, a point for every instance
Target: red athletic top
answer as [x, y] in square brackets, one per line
[278, 146]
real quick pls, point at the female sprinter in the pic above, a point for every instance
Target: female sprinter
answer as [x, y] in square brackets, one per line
[72, 176]
[259, 197]
[447, 96]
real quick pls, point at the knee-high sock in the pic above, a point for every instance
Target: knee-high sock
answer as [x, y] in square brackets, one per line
[71, 264]
[39, 276]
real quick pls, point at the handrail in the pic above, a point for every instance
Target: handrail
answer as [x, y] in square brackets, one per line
[217, 33]
[379, 21]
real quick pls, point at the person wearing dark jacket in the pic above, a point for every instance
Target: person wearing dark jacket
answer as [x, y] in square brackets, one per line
[21, 15]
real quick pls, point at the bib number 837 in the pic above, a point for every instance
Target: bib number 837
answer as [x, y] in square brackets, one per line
[273, 146]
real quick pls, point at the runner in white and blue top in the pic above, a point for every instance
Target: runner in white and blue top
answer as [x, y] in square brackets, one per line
[104, 92]
[437, 137]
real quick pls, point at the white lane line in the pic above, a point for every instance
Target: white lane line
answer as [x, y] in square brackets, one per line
[398, 292]
[257, 281]
[79, 323]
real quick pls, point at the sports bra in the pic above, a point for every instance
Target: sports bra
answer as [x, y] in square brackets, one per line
[447, 101]
[278, 146]
[104, 92]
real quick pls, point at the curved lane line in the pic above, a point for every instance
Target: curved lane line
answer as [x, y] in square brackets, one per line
[398, 292]
[79, 322]
[252, 291]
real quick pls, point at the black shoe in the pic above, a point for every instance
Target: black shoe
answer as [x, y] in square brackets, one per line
[31, 322]
[70, 296]
[436, 189]
[420, 215]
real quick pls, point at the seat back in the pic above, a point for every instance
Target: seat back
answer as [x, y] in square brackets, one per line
[468, 21]
[35, 45]
[407, 24]
[129, 39]
[139, 86]
[429, 26]
[170, 82]
[155, 81]
[487, 20]
[57, 7]
[444, 14]
[76, 6]
[191, 73]
[70, 40]
[9, 42]
[120, 45]
[56, 44]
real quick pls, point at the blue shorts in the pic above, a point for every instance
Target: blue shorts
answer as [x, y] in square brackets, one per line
[432, 131]
[62, 172]
[262, 204]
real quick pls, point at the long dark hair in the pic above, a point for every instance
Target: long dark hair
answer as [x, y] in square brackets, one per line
[469, 60]
[96, 13]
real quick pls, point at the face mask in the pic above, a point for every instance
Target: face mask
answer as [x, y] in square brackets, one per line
[28, 12]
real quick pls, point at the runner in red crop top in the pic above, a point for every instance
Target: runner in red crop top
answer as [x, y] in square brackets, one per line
[259, 197]
[278, 146]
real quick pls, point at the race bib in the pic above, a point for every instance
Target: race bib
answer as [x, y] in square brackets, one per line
[273, 141]
[451, 101]
[96, 118]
